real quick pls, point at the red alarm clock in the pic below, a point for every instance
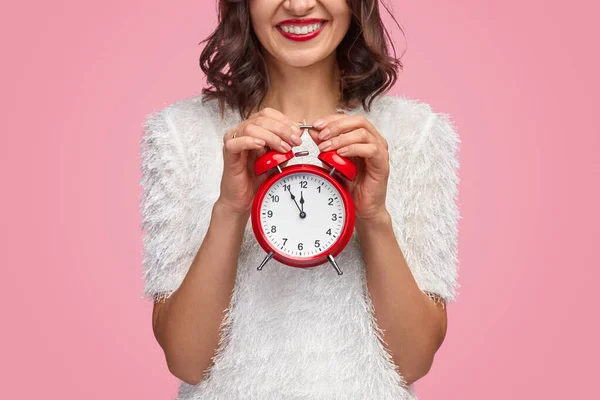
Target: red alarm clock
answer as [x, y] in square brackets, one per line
[303, 216]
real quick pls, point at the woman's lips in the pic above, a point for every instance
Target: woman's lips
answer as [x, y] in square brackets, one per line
[300, 38]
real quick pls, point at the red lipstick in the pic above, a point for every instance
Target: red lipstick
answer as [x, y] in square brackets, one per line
[302, 21]
[297, 22]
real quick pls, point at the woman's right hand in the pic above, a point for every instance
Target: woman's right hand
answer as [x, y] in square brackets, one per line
[267, 127]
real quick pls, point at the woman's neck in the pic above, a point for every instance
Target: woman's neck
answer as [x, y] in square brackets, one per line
[305, 93]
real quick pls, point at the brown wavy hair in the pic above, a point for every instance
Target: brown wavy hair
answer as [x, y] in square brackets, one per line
[367, 69]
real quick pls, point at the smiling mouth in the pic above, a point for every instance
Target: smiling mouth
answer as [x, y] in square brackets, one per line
[300, 30]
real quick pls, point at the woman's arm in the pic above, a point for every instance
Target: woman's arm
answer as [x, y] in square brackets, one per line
[411, 249]
[186, 324]
[414, 325]
[407, 187]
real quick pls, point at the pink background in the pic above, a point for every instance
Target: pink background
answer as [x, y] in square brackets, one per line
[520, 80]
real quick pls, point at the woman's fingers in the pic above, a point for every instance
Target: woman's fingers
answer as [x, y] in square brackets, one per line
[271, 139]
[267, 127]
[358, 143]
[240, 143]
[276, 122]
[360, 135]
[368, 151]
[277, 131]
[336, 126]
[364, 150]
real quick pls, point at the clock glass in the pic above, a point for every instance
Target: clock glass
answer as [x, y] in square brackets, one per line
[302, 215]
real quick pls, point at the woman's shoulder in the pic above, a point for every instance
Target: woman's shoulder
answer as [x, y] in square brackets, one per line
[408, 116]
[186, 116]
[410, 125]
[193, 125]
[181, 150]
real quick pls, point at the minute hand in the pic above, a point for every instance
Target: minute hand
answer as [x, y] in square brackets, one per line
[294, 198]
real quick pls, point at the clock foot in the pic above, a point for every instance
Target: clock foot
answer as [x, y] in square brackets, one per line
[267, 258]
[332, 261]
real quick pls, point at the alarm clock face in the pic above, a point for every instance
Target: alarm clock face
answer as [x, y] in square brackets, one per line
[302, 215]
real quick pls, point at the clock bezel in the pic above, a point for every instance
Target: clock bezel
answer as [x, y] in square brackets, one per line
[336, 247]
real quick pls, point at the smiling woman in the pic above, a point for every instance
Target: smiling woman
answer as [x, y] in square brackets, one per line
[253, 36]
[231, 329]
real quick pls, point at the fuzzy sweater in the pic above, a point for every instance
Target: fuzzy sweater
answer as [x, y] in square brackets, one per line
[293, 333]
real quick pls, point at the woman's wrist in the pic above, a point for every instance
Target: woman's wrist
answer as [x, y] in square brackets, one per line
[226, 211]
[378, 221]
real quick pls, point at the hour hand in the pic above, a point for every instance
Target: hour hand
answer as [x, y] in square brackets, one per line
[302, 213]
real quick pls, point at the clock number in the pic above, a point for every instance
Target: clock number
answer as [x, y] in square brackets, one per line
[317, 243]
[286, 188]
[330, 201]
[303, 184]
[334, 217]
[269, 213]
[300, 246]
[319, 189]
[273, 229]
[275, 198]
[284, 240]
[328, 231]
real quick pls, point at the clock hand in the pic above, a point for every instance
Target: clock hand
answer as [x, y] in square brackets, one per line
[294, 198]
[302, 201]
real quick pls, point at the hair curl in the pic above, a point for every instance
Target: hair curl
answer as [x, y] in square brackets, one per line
[237, 72]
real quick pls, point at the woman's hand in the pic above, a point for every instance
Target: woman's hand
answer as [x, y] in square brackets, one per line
[354, 136]
[267, 127]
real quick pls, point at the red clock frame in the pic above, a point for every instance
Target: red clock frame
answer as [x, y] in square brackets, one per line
[336, 247]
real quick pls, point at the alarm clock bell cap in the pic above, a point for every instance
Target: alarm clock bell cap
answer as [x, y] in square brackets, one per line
[341, 164]
[270, 160]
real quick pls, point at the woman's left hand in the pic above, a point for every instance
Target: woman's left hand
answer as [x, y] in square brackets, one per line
[355, 137]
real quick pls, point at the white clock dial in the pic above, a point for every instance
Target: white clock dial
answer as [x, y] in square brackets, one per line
[302, 215]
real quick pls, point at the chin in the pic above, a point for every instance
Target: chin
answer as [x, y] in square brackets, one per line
[299, 59]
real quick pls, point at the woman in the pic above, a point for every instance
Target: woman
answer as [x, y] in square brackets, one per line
[229, 331]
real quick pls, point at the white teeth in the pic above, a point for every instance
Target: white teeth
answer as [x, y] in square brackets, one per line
[303, 30]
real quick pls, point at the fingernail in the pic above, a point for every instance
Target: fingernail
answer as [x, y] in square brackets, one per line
[325, 145]
[324, 133]
[259, 142]
[296, 129]
[319, 123]
[285, 146]
[342, 150]
[297, 141]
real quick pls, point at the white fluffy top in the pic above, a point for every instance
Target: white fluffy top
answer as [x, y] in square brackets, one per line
[293, 333]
